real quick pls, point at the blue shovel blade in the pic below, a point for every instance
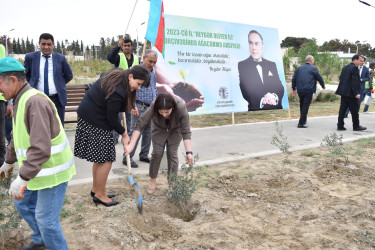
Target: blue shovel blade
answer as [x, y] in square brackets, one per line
[138, 197]
[130, 178]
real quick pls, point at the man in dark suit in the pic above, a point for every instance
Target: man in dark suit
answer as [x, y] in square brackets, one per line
[364, 76]
[349, 89]
[259, 80]
[49, 72]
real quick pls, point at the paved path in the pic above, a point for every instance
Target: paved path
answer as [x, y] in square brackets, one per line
[228, 143]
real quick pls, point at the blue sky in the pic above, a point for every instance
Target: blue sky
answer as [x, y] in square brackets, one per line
[89, 20]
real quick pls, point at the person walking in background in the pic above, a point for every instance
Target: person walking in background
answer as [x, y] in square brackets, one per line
[49, 72]
[144, 98]
[122, 57]
[369, 85]
[304, 79]
[349, 89]
[364, 74]
[44, 157]
[170, 125]
[97, 114]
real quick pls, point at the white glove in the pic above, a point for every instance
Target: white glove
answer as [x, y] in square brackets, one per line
[17, 188]
[5, 170]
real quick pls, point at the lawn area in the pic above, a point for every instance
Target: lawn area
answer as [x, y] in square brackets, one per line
[200, 121]
[316, 109]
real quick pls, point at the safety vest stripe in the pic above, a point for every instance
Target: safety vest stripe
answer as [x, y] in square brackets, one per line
[54, 149]
[56, 169]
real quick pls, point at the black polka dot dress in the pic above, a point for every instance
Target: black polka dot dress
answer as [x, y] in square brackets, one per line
[94, 144]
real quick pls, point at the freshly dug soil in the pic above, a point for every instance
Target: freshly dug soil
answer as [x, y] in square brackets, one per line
[316, 202]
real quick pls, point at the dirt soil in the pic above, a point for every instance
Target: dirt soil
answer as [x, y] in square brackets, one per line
[316, 202]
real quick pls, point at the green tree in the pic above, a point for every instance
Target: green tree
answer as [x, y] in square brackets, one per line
[28, 46]
[57, 48]
[102, 52]
[295, 42]
[14, 47]
[81, 48]
[18, 46]
[23, 47]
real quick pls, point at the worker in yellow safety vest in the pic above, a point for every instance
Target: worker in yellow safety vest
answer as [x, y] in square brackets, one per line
[41, 149]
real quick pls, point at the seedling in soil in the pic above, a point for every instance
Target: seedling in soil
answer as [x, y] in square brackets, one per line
[181, 187]
[281, 141]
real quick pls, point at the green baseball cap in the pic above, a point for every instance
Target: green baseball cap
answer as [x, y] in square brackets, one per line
[9, 64]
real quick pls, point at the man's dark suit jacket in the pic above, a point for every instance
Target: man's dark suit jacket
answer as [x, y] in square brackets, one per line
[252, 88]
[62, 73]
[349, 84]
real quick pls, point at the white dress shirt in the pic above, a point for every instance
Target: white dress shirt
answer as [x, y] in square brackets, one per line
[51, 83]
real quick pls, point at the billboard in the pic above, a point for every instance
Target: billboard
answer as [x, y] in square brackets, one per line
[234, 67]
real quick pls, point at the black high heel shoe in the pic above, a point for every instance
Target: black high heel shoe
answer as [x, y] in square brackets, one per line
[109, 204]
[109, 195]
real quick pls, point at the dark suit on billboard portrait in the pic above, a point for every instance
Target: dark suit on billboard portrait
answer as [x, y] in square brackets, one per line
[254, 89]
[62, 74]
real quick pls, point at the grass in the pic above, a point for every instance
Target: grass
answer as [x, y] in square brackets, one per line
[316, 109]
[367, 142]
[309, 153]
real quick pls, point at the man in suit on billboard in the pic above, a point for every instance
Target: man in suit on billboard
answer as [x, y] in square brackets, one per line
[259, 80]
[49, 72]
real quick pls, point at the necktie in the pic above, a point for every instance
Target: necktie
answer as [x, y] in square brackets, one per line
[46, 90]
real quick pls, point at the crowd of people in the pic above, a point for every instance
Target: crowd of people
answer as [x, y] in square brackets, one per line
[153, 113]
[355, 83]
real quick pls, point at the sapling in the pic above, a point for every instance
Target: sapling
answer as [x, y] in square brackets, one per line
[335, 146]
[281, 141]
[182, 185]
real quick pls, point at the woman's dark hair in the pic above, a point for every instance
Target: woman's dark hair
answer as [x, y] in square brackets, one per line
[164, 101]
[120, 76]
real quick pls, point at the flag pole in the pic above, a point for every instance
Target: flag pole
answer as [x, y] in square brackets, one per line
[130, 18]
[144, 48]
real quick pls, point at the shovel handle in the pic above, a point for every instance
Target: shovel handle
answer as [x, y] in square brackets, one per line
[126, 131]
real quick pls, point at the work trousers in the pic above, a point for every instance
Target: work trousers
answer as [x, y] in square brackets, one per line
[304, 104]
[41, 210]
[157, 155]
[352, 104]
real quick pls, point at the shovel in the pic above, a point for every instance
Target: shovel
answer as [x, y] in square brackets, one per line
[137, 190]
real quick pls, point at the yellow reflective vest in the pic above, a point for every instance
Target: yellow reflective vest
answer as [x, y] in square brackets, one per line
[124, 63]
[59, 168]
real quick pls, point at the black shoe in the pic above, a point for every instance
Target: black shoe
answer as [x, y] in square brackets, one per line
[359, 128]
[341, 128]
[109, 195]
[33, 246]
[146, 159]
[302, 126]
[109, 204]
[133, 164]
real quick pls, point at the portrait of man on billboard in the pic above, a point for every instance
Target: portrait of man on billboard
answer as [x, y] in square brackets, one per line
[259, 80]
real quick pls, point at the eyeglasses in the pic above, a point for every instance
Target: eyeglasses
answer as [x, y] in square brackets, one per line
[127, 45]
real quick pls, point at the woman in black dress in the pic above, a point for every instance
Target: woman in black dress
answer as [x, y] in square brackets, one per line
[97, 114]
